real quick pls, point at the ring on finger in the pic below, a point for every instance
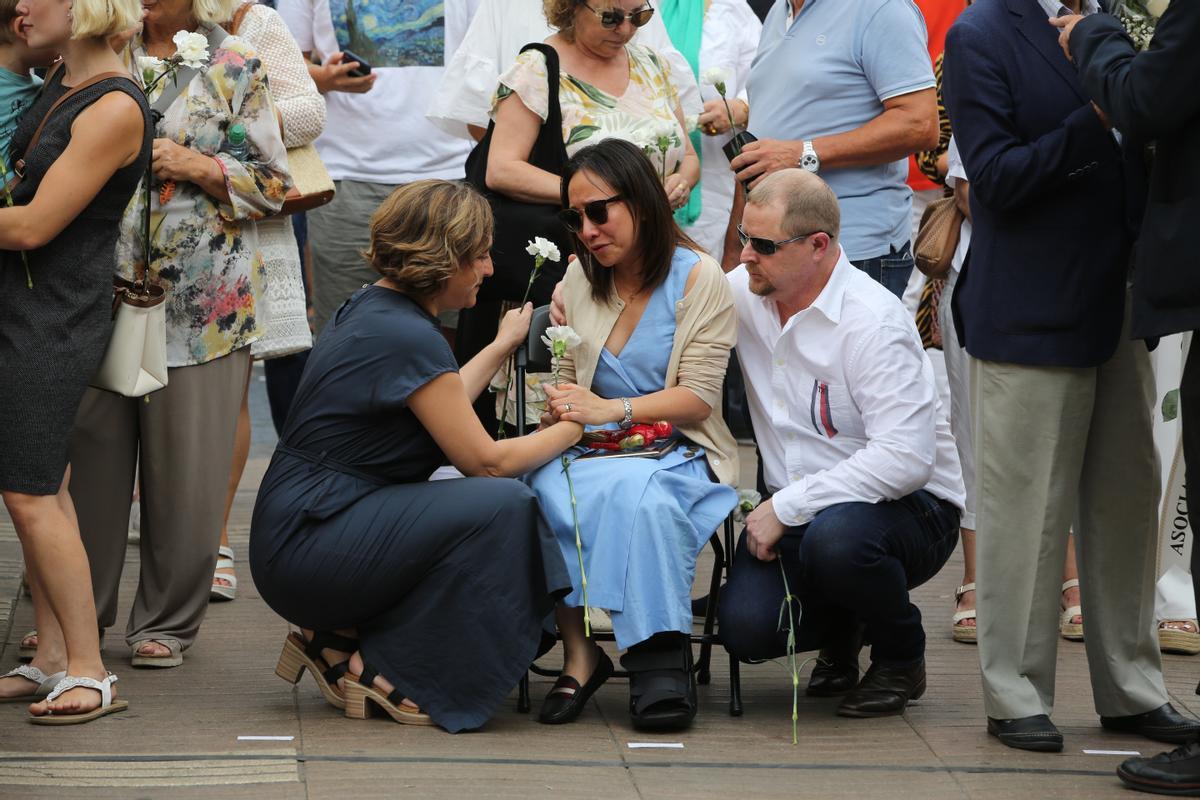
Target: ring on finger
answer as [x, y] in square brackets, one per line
[567, 407]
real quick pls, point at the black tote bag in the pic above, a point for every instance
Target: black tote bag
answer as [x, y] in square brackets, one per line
[518, 222]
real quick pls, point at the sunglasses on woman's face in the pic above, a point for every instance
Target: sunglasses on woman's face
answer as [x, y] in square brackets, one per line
[612, 19]
[768, 247]
[596, 211]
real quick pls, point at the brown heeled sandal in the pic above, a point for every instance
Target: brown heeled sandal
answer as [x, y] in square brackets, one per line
[360, 689]
[300, 654]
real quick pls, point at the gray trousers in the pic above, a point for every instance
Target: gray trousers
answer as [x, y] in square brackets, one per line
[338, 233]
[184, 438]
[1056, 446]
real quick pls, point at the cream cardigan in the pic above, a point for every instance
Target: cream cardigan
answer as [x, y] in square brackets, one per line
[705, 332]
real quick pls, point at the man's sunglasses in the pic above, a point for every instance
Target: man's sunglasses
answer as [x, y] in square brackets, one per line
[767, 247]
[596, 211]
[612, 19]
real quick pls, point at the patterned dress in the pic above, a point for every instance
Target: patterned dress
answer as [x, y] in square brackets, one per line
[206, 253]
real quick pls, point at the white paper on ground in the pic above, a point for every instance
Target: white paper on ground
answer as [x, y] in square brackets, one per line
[265, 738]
[1112, 752]
[656, 745]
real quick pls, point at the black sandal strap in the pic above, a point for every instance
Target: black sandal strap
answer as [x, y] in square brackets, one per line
[369, 674]
[337, 671]
[326, 640]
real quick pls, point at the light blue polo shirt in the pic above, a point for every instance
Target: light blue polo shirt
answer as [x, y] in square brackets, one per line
[829, 72]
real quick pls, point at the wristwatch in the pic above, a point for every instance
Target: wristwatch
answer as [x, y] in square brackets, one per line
[627, 423]
[809, 159]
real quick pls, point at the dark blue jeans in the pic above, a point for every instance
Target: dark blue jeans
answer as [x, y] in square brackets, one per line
[891, 270]
[855, 562]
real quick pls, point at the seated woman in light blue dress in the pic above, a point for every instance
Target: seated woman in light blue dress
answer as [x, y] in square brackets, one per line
[655, 315]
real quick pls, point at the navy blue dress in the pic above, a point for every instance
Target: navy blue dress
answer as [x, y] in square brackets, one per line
[447, 582]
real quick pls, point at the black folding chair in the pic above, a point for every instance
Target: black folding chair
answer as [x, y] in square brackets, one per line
[535, 356]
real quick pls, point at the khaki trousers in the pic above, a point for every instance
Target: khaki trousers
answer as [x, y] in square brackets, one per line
[1056, 446]
[184, 439]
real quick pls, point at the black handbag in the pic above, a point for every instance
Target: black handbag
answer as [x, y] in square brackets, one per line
[518, 222]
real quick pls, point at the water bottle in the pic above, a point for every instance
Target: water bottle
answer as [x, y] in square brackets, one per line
[235, 142]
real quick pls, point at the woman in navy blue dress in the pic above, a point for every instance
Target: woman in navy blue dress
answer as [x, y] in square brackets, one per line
[423, 599]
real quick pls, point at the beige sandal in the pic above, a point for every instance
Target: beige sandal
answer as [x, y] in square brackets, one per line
[360, 689]
[1071, 631]
[1180, 636]
[173, 659]
[964, 633]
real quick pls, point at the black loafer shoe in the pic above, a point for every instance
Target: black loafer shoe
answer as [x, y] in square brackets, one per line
[1176, 772]
[566, 700]
[885, 691]
[1027, 733]
[1163, 724]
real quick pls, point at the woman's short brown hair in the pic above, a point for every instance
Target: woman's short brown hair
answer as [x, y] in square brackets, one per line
[424, 233]
[561, 16]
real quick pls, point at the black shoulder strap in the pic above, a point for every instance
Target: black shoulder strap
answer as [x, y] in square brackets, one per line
[554, 112]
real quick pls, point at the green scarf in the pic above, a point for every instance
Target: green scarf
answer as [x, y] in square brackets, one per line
[685, 25]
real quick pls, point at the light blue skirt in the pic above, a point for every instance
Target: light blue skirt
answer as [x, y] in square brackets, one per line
[642, 523]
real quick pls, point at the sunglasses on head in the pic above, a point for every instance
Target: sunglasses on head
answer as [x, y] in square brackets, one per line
[611, 18]
[596, 211]
[767, 247]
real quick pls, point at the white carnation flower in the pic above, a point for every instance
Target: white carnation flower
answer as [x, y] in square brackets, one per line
[543, 248]
[665, 129]
[715, 77]
[748, 500]
[191, 49]
[560, 339]
[691, 122]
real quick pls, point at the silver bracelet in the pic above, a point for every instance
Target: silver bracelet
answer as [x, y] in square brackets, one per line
[627, 423]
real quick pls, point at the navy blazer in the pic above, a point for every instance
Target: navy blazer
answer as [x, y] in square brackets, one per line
[1153, 96]
[1046, 278]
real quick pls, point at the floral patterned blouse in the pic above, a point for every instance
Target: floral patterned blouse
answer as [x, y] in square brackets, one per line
[590, 114]
[205, 253]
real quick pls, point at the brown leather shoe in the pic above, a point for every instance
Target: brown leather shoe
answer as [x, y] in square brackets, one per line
[885, 691]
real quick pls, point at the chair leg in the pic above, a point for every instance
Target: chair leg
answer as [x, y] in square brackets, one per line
[523, 704]
[704, 676]
[735, 666]
[735, 686]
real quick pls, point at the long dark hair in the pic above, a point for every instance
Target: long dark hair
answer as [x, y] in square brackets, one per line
[625, 168]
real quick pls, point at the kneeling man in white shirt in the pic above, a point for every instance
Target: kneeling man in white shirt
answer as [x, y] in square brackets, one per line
[865, 483]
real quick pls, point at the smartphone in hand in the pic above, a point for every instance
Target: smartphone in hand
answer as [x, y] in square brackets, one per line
[362, 70]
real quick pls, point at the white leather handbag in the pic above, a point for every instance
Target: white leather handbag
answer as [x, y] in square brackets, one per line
[135, 363]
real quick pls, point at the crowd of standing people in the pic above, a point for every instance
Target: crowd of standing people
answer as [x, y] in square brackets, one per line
[718, 201]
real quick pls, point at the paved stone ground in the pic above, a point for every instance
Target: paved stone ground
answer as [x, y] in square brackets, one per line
[180, 737]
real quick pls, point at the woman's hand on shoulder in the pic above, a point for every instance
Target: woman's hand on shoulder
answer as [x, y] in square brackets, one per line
[571, 403]
[514, 327]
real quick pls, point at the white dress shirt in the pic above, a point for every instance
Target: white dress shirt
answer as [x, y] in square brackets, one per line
[496, 35]
[843, 399]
